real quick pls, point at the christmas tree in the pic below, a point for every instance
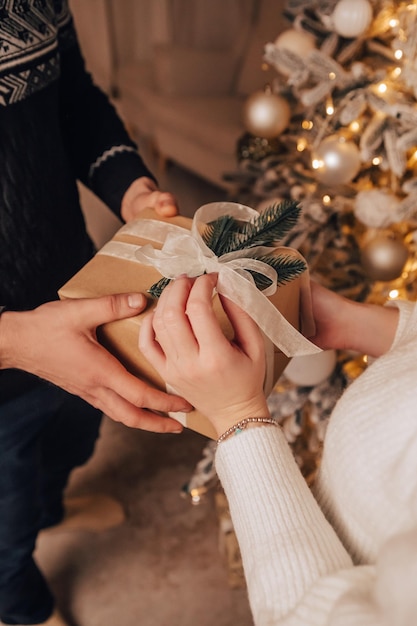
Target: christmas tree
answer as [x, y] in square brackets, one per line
[336, 130]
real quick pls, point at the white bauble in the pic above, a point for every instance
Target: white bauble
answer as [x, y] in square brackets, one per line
[295, 41]
[376, 208]
[338, 161]
[351, 18]
[312, 369]
[266, 114]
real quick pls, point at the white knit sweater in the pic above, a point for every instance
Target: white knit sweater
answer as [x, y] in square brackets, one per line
[358, 567]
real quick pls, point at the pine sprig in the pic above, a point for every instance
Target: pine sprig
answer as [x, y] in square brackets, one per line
[157, 288]
[267, 229]
[228, 234]
[287, 268]
[218, 232]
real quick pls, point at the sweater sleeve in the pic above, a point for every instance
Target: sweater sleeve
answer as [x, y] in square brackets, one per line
[296, 568]
[101, 152]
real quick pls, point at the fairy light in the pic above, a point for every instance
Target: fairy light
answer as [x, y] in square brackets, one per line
[301, 144]
[382, 88]
[354, 126]
[393, 22]
[329, 107]
[326, 199]
[317, 164]
[307, 124]
[398, 54]
[393, 294]
[396, 72]
[376, 160]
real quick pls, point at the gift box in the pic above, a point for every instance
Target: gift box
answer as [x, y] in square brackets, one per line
[132, 262]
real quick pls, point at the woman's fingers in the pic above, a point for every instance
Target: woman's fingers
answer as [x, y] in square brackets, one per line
[170, 322]
[247, 334]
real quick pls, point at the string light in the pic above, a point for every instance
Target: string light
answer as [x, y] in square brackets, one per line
[393, 294]
[301, 144]
[398, 54]
[307, 124]
[354, 126]
[329, 107]
[382, 87]
[316, 164]
[376, 160]
[326, 199]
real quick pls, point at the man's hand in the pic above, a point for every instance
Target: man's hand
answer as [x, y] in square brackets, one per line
[57, 342]
[142, 194]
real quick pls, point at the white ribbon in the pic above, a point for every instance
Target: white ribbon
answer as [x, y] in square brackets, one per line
[185, 253]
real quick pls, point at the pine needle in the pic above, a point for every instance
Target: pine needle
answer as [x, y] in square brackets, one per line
[268, 228]
[287, 268]
[218, 232]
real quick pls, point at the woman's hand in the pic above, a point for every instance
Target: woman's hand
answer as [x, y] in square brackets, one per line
[57, 342]
[142, 194]
[347, 325]
[184, 342]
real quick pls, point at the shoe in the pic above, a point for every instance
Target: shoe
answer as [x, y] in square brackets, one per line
[93, 513]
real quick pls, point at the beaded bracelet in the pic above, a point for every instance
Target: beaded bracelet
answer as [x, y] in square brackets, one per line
[237, 428]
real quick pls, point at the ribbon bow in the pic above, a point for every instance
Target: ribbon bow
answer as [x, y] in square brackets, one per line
[185, 253]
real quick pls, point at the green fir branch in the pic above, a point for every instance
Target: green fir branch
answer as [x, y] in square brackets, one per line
[217, 233]
[287, 268]
[268, 228]
[228, 234]
[157, 288]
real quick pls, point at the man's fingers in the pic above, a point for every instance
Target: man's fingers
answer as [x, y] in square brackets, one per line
[93, 312]
[134, 404]
[166, 204]
[120, 410]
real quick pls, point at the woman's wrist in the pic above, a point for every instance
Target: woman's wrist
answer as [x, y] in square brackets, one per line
[223, 420]
[248, 422]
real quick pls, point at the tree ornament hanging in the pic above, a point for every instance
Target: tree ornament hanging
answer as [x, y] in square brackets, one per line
[376, 208]
[384, 256]
[311, 370]
[351, 18]
[336, 161]
[295, 42]
[266, 114]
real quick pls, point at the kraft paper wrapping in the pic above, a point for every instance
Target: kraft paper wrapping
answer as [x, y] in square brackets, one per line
[119, 267]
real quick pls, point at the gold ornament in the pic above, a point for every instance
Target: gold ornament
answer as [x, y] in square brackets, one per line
[266, 114]
[383, 257]
[336, 161]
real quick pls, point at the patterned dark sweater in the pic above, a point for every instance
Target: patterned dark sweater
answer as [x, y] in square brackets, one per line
[55, 127]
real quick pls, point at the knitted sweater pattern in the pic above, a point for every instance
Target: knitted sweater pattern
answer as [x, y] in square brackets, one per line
[56, 127]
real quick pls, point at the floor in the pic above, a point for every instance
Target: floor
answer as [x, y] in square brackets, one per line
[163, 566]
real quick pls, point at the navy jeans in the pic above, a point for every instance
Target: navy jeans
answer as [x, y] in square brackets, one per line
[44, 434]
